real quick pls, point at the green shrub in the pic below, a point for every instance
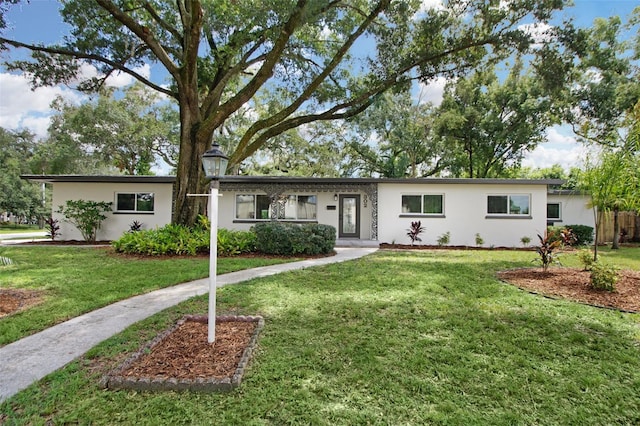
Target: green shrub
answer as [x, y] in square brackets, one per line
[586, 258]
[444, 239]
[182, 240]
[525, 241]
[603, 276]
[233, 243]
[291, 239]
[479, 240]
[87, 216]
[582, 233]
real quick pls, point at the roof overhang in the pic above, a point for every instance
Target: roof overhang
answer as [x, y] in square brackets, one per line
[291, 180]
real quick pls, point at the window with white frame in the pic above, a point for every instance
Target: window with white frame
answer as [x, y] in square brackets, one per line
[288, 207]
[252, 207]
[554, 211]
[135, 202]
[509, 204]
[297, 207]
[423, 204]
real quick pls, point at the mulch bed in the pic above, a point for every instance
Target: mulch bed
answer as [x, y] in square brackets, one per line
[574, 284]
[182, 359]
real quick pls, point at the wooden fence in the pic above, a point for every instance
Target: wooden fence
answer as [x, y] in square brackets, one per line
[629, 221]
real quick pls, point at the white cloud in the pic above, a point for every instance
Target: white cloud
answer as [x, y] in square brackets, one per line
[540, 32]
[22, 107]
[560, 148]
[433, 91]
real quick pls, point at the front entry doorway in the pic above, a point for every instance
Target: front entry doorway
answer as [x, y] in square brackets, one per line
[349, 216]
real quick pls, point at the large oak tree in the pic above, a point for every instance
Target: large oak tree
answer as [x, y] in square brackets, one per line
[327, 59]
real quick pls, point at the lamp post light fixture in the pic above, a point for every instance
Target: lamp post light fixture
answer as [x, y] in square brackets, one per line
[214, 163]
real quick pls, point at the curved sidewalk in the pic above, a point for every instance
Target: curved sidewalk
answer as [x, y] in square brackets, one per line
[32, 358]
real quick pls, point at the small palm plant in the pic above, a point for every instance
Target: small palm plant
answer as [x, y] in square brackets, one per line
[414, 232]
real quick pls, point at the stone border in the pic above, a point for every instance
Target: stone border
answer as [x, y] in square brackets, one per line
[115, 380]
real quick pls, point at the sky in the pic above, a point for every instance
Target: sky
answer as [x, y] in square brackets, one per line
[39, 22]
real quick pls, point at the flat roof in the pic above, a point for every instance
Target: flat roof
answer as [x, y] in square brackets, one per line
[288, 179]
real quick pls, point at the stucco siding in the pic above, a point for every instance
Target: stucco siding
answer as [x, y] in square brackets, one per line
[465, 214]
[574, 209]
[326, 213]
[116, 223]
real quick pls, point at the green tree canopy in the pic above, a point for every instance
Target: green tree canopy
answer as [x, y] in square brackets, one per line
[325, 59]
[17, 196]
[493, 124]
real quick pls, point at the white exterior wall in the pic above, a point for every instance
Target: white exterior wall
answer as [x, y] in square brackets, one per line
[465, 214]
[325, 216]
[116, 223]
[574, 209]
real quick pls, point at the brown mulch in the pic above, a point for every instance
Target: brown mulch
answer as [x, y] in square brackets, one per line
[573, 284]
[186, 354]
[15, 300]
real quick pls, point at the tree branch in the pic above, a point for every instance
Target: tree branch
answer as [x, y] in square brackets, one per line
[92, 57]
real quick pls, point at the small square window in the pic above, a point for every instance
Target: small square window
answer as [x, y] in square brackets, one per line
[553, 211]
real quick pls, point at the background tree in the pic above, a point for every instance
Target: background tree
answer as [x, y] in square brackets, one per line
[613, 182]
[124, 133]
[393, 138]
[17, 196]
[220, 55]
[606, 85]
[493, 124]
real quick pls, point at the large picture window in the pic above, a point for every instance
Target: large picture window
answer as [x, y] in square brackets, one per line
[516, 205]
[289, 207]
[423, 204]
[135, 202]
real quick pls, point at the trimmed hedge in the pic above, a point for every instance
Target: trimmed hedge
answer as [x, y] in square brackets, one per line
[290, 239]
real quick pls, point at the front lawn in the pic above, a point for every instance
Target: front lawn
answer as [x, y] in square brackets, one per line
[75, 280]
[394, 338]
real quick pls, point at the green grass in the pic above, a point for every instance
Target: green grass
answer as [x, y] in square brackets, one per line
[76, 280]
[14, 229]
[406, 338]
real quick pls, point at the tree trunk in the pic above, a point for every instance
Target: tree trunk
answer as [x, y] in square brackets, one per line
[616, 230]
[190, 175]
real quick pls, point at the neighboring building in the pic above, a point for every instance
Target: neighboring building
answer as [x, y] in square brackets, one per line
[502, 211]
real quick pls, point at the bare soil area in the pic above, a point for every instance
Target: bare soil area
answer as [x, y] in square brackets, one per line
[15, 300]
[573, 284]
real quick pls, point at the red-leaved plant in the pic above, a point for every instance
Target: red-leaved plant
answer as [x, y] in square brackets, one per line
[415, 231]
[547, 249]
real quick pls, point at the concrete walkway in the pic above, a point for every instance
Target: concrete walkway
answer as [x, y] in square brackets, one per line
[32, 358]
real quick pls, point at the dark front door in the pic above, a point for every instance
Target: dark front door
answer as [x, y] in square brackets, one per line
[349, 216]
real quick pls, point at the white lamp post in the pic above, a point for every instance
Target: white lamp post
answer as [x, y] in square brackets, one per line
[215, 165]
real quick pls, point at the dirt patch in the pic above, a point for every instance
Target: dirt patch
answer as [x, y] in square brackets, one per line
[182, 359]
[15, 300]
[573, 284]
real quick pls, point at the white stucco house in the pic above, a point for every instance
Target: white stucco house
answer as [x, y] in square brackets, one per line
[501, 211]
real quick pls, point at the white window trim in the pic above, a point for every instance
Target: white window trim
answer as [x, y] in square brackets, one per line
[135, 198]
[421, 195]
[286, 196]
[508, 214]
[559, 218]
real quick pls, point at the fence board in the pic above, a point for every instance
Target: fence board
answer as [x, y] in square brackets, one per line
[628, 221]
